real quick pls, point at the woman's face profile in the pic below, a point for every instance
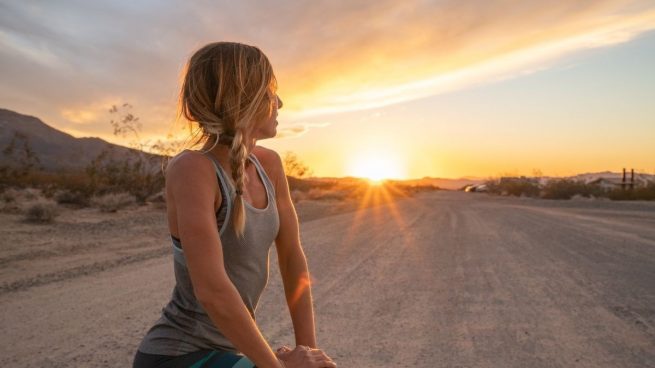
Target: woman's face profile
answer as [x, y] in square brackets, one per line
[267, 128]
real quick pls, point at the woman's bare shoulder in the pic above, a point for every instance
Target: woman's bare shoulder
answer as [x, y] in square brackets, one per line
[269, 159]
[267, 156]
[188, 166]
[188, 158]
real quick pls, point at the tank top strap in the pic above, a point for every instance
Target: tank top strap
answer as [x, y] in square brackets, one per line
[225, 182]
[262, 173]
[227, 192]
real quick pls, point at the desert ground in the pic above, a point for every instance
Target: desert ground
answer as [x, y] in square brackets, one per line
[441, 279]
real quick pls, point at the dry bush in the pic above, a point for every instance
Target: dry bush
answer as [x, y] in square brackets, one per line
[567, 188]
[307, 184]
[136, 171]
[138, 174]
[514, 186]
[326, 194]
[10, 201]
[67, 187]
[41, 211]
[294, 167]
[113, 202]
[158, 200]
[10, 195]
[24, 162]
[646, 192]
[30, 194]
[14, 200]
[71, 197]
[157, 197]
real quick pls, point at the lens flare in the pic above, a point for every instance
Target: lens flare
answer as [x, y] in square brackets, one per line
[376, 167]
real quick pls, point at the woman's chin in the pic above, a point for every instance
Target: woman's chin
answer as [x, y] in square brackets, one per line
[271, 134]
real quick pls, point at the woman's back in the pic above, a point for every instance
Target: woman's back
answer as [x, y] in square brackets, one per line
[184, 326]
[202, 162]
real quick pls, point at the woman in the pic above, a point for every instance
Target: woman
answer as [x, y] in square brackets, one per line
[226, 205]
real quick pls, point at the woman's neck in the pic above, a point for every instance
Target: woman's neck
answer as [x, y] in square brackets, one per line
[223, 148]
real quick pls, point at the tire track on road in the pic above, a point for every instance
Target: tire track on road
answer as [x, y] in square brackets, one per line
[82, 270]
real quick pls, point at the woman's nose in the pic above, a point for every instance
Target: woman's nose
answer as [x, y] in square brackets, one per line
[279, 102]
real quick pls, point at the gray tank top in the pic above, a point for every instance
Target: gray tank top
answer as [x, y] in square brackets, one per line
[184, 326]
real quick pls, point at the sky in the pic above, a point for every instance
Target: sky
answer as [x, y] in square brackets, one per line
[383, 89]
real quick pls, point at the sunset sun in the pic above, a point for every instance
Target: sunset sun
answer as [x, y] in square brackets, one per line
[376, 167]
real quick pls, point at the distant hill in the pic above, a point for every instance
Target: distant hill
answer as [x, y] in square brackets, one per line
[55, 149]
[460, 183]
[443, 183]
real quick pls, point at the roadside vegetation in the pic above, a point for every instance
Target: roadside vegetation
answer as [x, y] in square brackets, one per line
[110, 182]
[564, 188]
[113, 181]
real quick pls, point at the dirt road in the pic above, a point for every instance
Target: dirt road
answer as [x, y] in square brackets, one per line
[445, 279]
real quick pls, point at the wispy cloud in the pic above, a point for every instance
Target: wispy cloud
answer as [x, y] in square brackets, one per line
[63, 57]
[297, 130]
[452, 45]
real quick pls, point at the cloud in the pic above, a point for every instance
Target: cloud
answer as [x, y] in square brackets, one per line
[297, 130]
[450, 45]
[90, 113]
[329, 56]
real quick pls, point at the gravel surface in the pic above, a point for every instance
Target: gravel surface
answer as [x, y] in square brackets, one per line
[444, 279]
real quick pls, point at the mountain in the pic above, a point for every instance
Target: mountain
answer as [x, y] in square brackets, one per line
[55, 149]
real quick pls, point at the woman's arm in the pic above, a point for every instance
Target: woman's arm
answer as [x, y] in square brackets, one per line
[191, 184]
[292, 261]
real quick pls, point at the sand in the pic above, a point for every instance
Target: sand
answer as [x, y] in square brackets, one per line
[444, 279]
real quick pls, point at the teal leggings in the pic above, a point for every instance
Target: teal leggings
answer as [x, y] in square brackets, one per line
[197, 359]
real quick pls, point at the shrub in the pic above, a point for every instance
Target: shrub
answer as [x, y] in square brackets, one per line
[325, 194]
[522, 186]
[76, 198]
[294, 167]
[137, 174]
[42, 211]
[24, 162]
[567, 188]
[646, 192]
[10, 202]
[14, 200]
[307, 184]
[10, 195]
[30, 194]
[157, 197]
[158, 200]
[113, 202]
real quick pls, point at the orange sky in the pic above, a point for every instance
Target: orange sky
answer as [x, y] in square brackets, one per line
[392, 89]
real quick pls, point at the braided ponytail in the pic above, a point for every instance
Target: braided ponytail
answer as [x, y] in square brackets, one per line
[237, 164]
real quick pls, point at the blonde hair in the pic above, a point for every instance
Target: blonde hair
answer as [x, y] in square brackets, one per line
[225, 89]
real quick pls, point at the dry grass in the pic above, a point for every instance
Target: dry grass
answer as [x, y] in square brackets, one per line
[15, 200]
[113, 202]
[41, 211]
[565, 189]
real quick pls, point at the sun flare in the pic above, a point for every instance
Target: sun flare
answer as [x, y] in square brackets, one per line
[376, 167]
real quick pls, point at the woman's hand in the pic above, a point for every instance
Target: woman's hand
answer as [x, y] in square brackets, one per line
[304, 357]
